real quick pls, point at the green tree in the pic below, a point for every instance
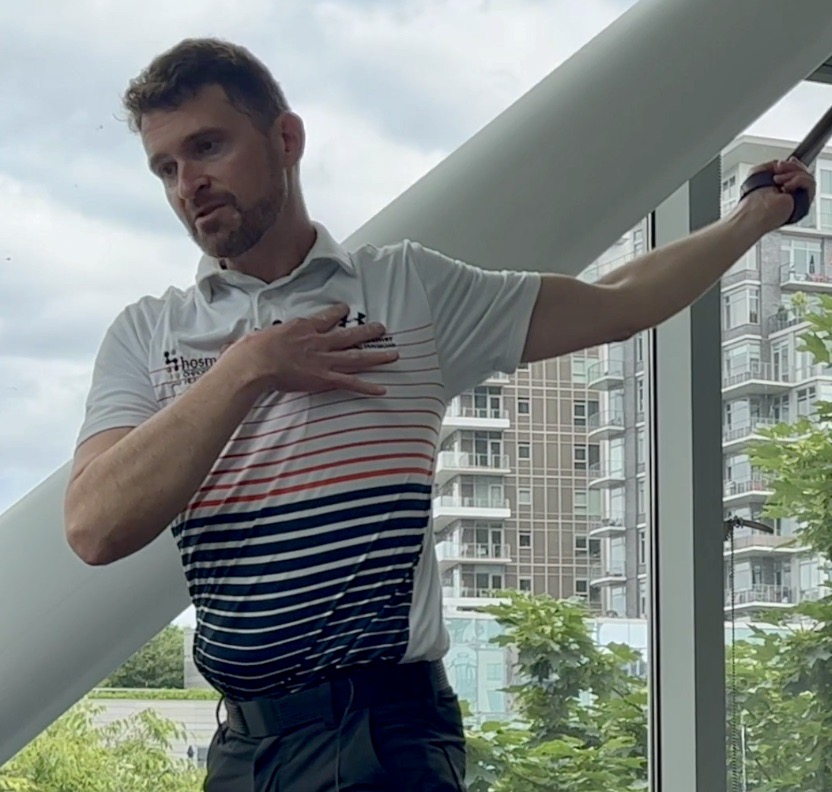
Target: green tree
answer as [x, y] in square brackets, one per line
[785, 692]
[160, 663]
[75, 755]
[582, 722]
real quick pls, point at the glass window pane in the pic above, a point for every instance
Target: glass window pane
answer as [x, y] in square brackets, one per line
[775, 554]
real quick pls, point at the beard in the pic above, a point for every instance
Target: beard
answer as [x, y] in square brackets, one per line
[238, 229]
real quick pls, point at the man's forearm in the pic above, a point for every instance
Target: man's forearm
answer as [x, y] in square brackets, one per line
[664, 281]
[129, 494]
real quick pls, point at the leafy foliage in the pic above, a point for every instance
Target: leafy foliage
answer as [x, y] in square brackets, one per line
[583, 715]
[786, 686]
[75, 755]
[160, 663]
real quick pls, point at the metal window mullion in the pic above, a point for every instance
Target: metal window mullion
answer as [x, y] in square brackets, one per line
[687, 618]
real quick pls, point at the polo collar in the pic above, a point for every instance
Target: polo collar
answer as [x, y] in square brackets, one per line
[325, 248]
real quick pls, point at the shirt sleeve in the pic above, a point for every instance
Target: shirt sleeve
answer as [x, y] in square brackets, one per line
[121, 394]
[481, 317]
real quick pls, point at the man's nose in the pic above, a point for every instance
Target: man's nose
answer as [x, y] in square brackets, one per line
[191, 181]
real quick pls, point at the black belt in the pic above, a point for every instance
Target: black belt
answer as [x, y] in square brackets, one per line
[359, 688]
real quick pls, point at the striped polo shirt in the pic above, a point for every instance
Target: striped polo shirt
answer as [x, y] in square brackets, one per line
[309, 547]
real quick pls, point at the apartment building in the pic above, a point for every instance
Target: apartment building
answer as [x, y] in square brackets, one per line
[512, 507]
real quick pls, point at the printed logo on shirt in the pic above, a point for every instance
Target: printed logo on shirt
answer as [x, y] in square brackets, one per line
[185, 370]
[357, 319]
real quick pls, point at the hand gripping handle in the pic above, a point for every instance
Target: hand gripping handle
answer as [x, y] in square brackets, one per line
[806, 152]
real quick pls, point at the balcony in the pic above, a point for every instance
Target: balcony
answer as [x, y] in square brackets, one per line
[763, 545]
[742, 492]
[605, 375]
[497, 378]
[607, 528]
[753, 379]
[610, 574]
[457, 463]
[601, 477]
[457, 417]
[448, 508]
[784, 321]
[467, 597]
[605, 425]
[798, 278]
[736, 438]
[452, 553]
[761, 596]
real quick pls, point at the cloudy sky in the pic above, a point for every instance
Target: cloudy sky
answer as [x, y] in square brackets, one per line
[387, 89]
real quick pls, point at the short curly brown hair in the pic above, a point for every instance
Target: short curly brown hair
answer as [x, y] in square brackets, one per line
[182, 71]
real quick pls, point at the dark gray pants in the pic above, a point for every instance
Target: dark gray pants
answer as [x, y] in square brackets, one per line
[415, 745]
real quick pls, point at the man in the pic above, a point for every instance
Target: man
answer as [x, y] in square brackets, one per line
[281, 416]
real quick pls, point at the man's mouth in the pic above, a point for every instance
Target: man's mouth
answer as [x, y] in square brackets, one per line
[208, 211]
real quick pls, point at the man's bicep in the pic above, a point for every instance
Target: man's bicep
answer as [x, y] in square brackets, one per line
[480, 317]
[570, 315]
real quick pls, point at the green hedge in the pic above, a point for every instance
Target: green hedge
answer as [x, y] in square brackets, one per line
[150, 694]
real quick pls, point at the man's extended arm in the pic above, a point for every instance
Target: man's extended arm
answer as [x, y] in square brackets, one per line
[570, 314]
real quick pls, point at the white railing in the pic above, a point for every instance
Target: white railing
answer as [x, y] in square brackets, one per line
[746, 429]
[789, 273]
[761, 592]
[612, 569]
[605, 368]
[481, 502]
[740, 486]
[606, 418]
[464, 459]
[755, 370]
[485, 413]
[472, 550]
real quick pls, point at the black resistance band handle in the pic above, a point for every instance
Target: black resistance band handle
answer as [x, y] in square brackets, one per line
[807, 152]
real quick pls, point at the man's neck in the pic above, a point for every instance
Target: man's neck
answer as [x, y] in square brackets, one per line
[278, 254]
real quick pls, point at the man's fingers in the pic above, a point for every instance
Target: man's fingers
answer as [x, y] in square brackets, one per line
[327, 319]
[351, 361]
[355, 385]
[351, 336]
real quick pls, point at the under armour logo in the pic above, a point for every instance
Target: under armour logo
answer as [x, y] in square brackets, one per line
[358, 319]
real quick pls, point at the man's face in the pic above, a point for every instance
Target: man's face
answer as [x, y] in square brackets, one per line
[226, 180]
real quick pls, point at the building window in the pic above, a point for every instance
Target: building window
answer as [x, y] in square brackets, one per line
[805, 402]
[642, 599]
[641, 499]
[525, 584]
[524, 496]
[581, 587]
[523, 451]
[642, 547]
[581, 545]
[638, 241]
[578, 368]
[801, 257]
[525, 538]
[826, 214]
[730, 194]
[579, 502]
[523, 406]
[741, 359]
[741, 307]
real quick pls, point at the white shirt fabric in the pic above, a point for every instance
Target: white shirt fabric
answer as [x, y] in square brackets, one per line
[310, 545]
